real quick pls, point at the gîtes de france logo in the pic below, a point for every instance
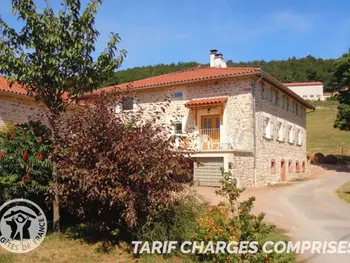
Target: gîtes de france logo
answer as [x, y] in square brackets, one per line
[23, 225]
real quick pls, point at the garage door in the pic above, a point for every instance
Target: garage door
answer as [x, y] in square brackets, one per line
[210, 173]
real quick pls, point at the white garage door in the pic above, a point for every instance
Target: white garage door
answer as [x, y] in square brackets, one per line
[210, 173]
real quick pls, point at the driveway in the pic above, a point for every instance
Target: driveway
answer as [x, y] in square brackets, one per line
[308, 210]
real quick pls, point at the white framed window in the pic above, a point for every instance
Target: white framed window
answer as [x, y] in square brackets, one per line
[300, 137]
[128, 103]
[178, 95]
[268, 128]
[290, 134]
[280, 131]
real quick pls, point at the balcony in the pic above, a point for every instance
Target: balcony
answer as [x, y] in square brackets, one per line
[213, 140]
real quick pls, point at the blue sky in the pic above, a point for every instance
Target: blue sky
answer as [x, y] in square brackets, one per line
[165, 31]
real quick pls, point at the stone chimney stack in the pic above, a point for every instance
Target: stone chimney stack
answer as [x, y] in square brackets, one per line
[216, 59]
[212, 57]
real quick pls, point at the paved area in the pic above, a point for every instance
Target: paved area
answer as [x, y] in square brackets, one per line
[308, 210]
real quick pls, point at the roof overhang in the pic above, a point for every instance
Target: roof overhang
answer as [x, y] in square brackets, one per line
[288, 91]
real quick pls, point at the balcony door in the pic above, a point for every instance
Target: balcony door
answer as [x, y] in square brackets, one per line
[210, 125]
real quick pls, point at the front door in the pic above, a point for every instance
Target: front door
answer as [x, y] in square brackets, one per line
[210, 125]
[283, 171]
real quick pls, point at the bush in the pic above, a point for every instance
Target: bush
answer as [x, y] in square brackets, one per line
[116, 170]
[331, 159]
[177, 221]
[317, 158]
[25, 171]
[308, 156]
[234, 222]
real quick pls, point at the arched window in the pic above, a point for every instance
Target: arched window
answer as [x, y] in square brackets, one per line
[303, 167]
[290, 168]
[297, 167]
[273, 166]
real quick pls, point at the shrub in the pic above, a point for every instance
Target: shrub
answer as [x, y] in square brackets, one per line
[308, 156]
[317, 158]
[116, 169]
[25, 171]
[331, 159]
[177, 221]
[234, 222]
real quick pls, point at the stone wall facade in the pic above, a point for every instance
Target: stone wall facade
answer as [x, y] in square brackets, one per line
[283, 112]
[238, 116]
[19, 108]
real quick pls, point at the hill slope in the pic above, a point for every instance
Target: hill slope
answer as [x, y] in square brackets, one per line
[291, 70]
[321, 135]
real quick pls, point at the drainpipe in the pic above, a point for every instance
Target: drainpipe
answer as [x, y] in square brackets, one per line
[254, 122]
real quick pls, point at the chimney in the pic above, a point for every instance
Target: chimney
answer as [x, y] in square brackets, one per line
[216, 59]
[212, 57]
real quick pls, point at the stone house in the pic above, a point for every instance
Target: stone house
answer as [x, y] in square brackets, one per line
[240, 119]
[16, 105]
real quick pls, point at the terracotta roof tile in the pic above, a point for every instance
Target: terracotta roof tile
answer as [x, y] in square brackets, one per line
[302, 83]
[206, 101]
[16, 88]
[194, 74]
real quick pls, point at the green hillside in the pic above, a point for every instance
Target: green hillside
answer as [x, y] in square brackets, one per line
[290, 70]
[322, 136]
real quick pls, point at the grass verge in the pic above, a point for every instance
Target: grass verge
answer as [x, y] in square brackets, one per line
[344, 192]
[59, 248]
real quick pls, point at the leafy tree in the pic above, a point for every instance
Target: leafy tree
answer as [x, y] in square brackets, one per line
[117, 170]
[340, 79]
[52, 56]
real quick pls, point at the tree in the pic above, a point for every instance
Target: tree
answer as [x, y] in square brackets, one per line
[117, 169]
[340, 79]
[52, 56]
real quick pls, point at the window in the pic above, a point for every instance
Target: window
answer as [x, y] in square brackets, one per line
[304, 96]
[290, 168]
[303, 167]
[271, 95]
[179, 95]
[128, 104]
[297, 109]
[178, 128]
[280, 129]
[283, 102]
[300, 137]
[311, 96]
[318, 96]
[290, 134]
[297, 168]
[277, 98]
[262, 91]
[273, 166]
[288, 106]
[293, 106]
[268, 128]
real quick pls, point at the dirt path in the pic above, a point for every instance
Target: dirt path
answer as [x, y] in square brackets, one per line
[308, 210]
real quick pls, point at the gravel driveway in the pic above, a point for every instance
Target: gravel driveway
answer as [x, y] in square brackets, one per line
[308, 210]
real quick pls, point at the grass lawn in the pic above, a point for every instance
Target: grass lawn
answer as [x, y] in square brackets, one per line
[344, 192]
[58, 248]
[321, 136]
